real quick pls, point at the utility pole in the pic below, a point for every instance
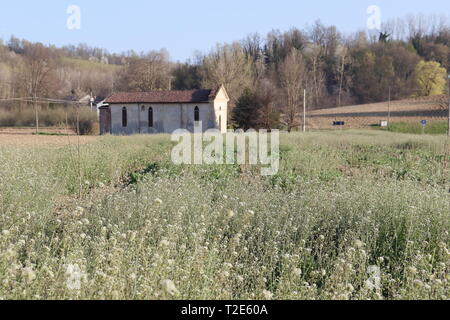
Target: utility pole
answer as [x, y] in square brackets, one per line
[389, 107]
[91, 100]
[304, 110]
[170, 83]
[36, 113]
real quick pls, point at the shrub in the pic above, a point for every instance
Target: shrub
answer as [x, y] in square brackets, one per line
[88, 122]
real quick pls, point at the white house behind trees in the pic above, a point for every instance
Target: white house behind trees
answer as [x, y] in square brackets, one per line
[127, 113]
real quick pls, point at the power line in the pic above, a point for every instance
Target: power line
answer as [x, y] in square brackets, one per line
[40, 100]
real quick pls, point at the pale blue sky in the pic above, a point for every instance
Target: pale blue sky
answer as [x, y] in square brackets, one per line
[183, 26]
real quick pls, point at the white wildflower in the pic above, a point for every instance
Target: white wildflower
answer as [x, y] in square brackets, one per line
[359, 244]
[297, 272]
[164, 243]
[418, 283]
[267, 295]
[79, 211]
[74, 277]
[412, 270]
[10, 253]
[48, 272]
[374, 281]
[28, 274]
[169, 287]
[115, 294]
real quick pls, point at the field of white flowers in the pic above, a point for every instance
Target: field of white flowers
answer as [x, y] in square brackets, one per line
[350, 215]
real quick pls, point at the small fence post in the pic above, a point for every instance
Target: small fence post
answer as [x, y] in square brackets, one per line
[304, 110]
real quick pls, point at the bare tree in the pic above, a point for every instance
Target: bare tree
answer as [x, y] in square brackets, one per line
[343, 58]
[292, 80]
[146, 73]
[230, 66]
[316, 79]
[252, 46]
[39, 62]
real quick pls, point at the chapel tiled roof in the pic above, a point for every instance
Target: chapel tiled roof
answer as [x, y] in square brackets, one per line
[185, 96]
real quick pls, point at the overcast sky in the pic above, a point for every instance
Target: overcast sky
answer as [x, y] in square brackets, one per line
[184, 26]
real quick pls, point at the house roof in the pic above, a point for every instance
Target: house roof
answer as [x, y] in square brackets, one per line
[187, 96]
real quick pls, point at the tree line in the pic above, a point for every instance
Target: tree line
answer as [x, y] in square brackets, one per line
[264, 75]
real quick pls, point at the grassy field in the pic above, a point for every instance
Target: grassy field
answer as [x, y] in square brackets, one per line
[403, 112]
[350, 215]
[416, 128]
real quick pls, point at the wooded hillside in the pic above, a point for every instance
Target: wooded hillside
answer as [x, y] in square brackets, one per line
[265, 75]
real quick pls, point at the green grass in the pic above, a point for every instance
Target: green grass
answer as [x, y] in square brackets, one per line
[49, 134]
[416, 128]
[115, 219]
